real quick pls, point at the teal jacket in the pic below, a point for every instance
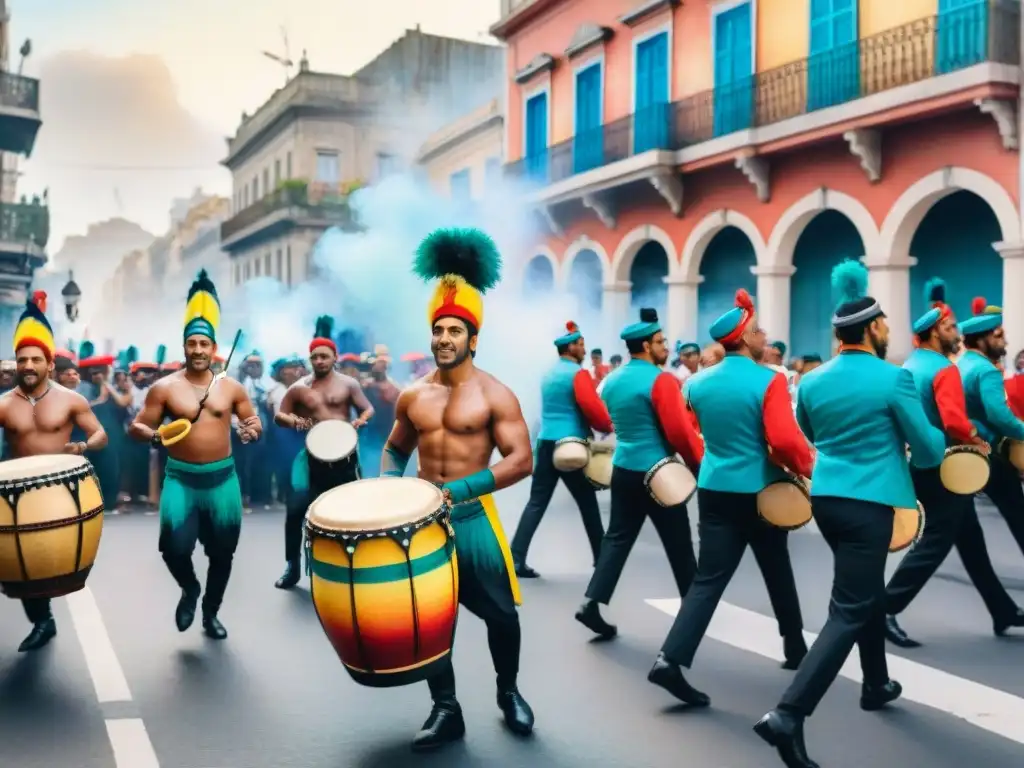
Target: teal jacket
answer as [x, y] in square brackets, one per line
[861, 412]
[987, 406]
[941, 390]
[570, 406]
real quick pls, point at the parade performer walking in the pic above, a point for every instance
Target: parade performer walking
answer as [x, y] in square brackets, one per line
[651, 424]
[750, 435]
[37, 418]
[570, 407]
[860, 413]
[201, 500]
[324, 395]
[456, 416]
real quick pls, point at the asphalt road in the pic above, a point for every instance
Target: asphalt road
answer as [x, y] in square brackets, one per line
[120, 687]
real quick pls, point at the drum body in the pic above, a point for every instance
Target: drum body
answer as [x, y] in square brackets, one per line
[333, 450]
[1013, 452]
[907, 527]
[670, 482]
[964, 471]
[785, 504]
[385, 579]
[51, 520]
[599, 469]
[571, 453]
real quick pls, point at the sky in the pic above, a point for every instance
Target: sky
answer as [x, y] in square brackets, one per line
[138, 97]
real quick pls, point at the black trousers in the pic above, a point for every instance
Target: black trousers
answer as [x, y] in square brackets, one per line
[37, 609]
[728, 523]
[542, 488]
[631, 506]
[296, 508]
[1005, 491]
[252, 462]
[219, 543]
[858, 533]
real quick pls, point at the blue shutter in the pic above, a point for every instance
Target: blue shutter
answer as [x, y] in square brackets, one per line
[962, 34]
[588, 143]
[833, 66]
[651, 120]
[734, 70]
[536, 154]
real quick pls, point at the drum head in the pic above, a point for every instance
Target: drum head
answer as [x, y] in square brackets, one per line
[570, 454]
[332, 440]
[907, 527]
[599, 471]
[34, 466]
[785, 504]
[672, 484]
[964, 471]
[377, 504]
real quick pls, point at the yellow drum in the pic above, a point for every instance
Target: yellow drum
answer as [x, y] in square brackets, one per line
[51, 520]
[385, 579]
[599, 469]
[786, 503]
[907, 528]
[571, 453]
[964, 470]
[670, 482]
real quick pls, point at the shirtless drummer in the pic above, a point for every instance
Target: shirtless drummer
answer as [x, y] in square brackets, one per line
[201, 499]
[324, 395]
[37, 417]
[456, 416]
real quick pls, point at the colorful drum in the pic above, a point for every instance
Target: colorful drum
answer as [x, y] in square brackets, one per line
[786, 503]
[964, 470]
[670, 483]
[51, 520]
[333, 450]
[384, 578]
[599, 469]
[907, 528]
[571, 453]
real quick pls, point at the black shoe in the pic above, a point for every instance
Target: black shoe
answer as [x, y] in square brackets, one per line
[523, 571]
[42, 633]
[444, 726]
[290, 577]
[213, 629]
[794, 647]
[589, 615]
[895, 634]
[518, 715]
[185, 613]
[670, 676]
[786, 734]
[1015, 619]
[875, 697]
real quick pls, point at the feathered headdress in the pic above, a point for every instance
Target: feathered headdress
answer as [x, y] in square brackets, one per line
[87, 357]
[985, 318]
[850, 287]
[466, 264]
[938, 309]
[572, 333]
[728, 328]
[202, 309]
[323, 334]
[33, 329]
[161, 355]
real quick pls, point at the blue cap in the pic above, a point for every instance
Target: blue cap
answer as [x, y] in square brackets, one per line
[200, 326]
[934, 297]
[572, 333]
[687, 348]
[735, 320]
[985, 318]
[780, 346]
[647, 327]
[927, 320]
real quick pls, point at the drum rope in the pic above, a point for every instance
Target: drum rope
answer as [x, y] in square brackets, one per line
[13, 500]
[351, 556]
[412, 589]
[73, 488]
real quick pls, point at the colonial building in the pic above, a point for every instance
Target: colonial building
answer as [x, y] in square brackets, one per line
[679, 151]
[463, 158]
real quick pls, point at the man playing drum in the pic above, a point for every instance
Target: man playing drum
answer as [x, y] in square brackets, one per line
[746, 419]
[860, 412]
[456, 416]
[324, 395]
[201, 499]
[651, 424]
[37, 418]
[570, 409]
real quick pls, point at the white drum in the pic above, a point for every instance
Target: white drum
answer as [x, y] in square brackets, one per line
[571, 454]
[333, 448]
[599, 469]
[670, 483]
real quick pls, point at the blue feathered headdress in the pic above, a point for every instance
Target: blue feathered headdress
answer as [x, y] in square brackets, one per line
[849, 281]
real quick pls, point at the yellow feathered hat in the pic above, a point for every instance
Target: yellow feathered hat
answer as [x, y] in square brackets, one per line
[466, 264]
[33, 329]
[202, 311]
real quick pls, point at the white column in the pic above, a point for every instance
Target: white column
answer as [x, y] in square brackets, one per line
[1013, 310]
[615, 310]
[889, 284]
[681, 322]
[772, 301]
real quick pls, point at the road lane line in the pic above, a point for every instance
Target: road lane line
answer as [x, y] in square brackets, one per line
[132, 747]
[987, 708]
[105, 670]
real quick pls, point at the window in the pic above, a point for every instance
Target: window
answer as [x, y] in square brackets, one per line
[651, 93]
[245, 196]
[256, 189]
[238, 274]
[386, 164]
[833, 67]
[266, 181]
[247, 272]
[280, 265]
[266, 265]
[536, 149]
[288, 262]
[734, 69]
[277, 172]
[588, 141]
[288, 165]
[257, 264]
[492, 171]
[328, 167]
[459, 185]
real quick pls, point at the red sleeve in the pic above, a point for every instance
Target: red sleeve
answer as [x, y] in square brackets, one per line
[788, 444]
[676, 420]
[1015, 395]
[949, 398]
[594, 410]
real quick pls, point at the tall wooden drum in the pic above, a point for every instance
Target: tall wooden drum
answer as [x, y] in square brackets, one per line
[385, 579]
[51, 520]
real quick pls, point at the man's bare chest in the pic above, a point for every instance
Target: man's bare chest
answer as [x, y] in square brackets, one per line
[455, 413]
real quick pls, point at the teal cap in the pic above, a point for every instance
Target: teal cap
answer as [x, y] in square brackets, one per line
[572, 333]
[985, 318]
[647, 327]
[200, 326]
[728, 327]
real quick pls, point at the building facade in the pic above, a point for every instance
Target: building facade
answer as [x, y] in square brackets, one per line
[464, 158]
[679, 151]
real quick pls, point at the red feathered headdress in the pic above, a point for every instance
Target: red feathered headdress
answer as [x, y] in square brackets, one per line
[746, 306]
[571, 327]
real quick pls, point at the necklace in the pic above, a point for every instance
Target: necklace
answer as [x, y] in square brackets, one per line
[33, 400]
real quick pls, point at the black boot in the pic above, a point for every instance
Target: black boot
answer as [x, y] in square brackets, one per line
[670, 676]
[443, 726]
[185, 613]
[217, 575]
[794, 647]
[874, 697]
[523, 571]
[212, 627]
[1015, 619]
[518, 715]
[589, 615]
[894, 634]
[42, 633]
[184, 574]
[785, 732]
[290, 577]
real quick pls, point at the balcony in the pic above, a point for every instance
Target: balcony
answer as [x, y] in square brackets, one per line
[19, 113]
[295, 204]
[945, 58]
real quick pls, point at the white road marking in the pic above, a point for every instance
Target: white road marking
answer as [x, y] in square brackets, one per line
[987, 708]
[132, 747]
[105, 670]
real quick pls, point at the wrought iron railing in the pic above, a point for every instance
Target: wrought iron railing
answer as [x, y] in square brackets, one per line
[334, 210]
[19, 92]
[26, 223]
[916, 51]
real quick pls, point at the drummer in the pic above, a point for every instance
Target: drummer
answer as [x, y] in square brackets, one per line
[571, 408]
[746, 419]
[951, 517]
[201, 500]
[324, 395]
[36, 400]
[480, 414]
[859, 412]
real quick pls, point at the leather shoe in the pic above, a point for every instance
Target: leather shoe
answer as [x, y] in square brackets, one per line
[895, 634]
[589, 615]
[42, 633]
[670, 676]
[1015, 619]
[523, 571]
[874, 697]
[443, 726]
[786, 733]
[185, 613]
[213, 629]
[518, 715]
[794, 647]
[290, 577]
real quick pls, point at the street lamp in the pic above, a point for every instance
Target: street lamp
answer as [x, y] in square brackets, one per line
[71, 294]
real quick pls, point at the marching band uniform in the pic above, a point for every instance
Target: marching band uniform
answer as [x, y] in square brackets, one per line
[651, 423]
[685, 350]
[746, 419]
[106, 461]
[570, 407]
[859, 412]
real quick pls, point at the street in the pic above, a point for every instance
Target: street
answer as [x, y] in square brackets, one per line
[120, 687]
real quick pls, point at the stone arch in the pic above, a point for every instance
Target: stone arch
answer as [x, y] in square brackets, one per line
[912, 206]
[578, 246]
[543, 262]
[631, 244]
[706, 231]
[584, 273]
[795, 219]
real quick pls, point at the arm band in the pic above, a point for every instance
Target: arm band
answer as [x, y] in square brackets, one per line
[476, 485]
[393, 462]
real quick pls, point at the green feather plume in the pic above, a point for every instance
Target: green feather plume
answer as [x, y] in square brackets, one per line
[465, 252]
[121, 362]
[86, 349]
[849, 281]
[132, 354]
[324, 327]
[934, 291]
[202, 283]
[161, 355]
